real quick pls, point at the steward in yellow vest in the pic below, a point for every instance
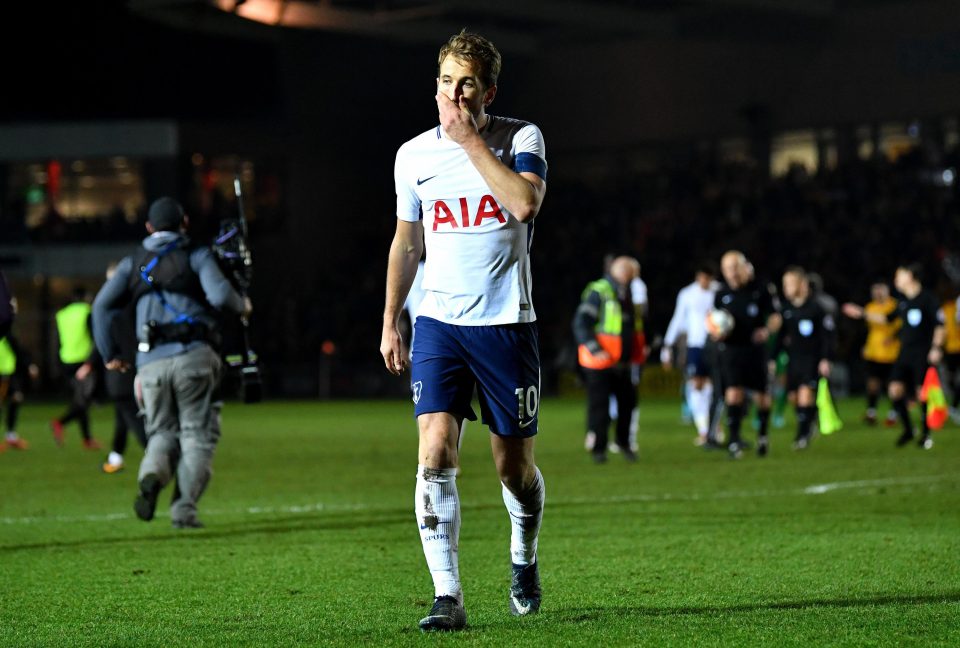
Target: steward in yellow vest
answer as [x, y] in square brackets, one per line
[76, 346]
[13, 375]
[605, 328]
[73, 328]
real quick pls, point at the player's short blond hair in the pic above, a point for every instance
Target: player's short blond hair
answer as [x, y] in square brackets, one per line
[477, 50]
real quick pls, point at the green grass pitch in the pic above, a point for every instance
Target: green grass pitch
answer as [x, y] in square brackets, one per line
[311, 539]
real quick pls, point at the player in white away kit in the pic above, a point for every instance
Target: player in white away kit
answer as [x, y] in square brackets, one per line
[689, 318]
[469, 189]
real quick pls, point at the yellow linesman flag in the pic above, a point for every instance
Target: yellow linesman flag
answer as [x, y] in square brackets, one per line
[829, 419]
[932, 394]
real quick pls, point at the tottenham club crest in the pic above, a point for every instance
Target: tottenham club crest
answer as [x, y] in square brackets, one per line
[806, 327]
[417, 389]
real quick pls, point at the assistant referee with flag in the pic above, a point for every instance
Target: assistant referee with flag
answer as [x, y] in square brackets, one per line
[921, 345]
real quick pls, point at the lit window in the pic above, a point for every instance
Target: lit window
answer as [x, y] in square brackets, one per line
[77, 190]
[793, 149]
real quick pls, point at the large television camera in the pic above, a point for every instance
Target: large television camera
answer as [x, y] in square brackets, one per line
[234, 257]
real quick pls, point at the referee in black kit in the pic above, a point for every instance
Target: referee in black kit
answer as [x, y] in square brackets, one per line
[742, 353]
[921, 345]
[807, 335]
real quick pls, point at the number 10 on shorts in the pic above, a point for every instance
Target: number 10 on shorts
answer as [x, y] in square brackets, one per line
[528, 401]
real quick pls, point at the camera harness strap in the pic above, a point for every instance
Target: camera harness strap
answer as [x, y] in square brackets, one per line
[223, 238]
[148, 278]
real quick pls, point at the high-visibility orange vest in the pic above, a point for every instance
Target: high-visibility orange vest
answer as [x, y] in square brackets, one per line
[609, 329]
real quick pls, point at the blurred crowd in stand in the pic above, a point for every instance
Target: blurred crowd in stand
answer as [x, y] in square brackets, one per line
[852, 224]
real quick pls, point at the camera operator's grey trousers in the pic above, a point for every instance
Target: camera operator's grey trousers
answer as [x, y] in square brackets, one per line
[182, 424]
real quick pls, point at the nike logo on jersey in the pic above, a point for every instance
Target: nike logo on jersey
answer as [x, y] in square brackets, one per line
[527, 424]
[420, 182]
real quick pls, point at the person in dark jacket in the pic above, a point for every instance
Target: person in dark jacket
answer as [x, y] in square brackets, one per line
[120, 389]
[176, 288]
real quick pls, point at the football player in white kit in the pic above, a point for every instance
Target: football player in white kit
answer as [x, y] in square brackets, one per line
[469, 190]
[694, 301]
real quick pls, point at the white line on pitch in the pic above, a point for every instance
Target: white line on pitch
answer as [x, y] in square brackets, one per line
[819, 489]
[814, 489]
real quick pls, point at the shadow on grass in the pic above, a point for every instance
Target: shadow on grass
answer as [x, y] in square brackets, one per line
[606, 614]
[163, 532]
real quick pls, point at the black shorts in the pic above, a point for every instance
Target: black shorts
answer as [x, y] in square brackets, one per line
[802, 371]
[910, 369]
[879, 370]
[743, 367]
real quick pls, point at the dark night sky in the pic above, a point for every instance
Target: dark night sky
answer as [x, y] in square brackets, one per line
[104, 62]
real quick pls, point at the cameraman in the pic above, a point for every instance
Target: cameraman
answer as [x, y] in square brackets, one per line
[176, 287]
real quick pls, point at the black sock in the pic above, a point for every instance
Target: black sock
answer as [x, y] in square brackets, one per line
[900, 406]
[734, 416]
[805, 420]
[872, 400]
[119, 431]
[12, 408]
[764, 416]
[924, 427]
[84, 420]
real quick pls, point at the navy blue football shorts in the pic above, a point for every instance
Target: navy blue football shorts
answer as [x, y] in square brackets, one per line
[501, 361]
[697, 363]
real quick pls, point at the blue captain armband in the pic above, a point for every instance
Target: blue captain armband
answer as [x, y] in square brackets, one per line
[530, 163]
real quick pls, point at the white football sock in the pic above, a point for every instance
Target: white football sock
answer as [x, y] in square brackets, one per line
[699, 400]
[438, 516]
[526, 512]
[114, 458]
[634, 427]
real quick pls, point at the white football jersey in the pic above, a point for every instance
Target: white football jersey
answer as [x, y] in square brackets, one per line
[690, 315]
[478, 256]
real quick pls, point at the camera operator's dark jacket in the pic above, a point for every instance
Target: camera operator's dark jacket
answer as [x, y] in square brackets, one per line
[218, 293]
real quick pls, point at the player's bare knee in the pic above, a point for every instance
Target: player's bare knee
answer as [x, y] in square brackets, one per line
[896, 391]
[437, 450]
[438, 440]
[439, 457]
